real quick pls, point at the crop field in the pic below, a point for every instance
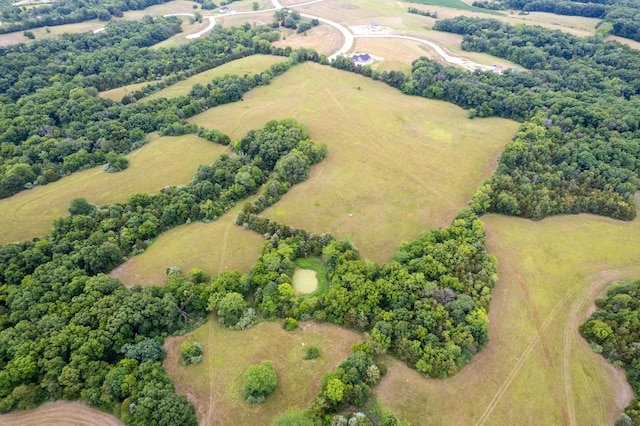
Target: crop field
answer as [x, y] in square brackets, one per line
[164, 161]
[214, 385]
[536, 368]
[60, 413]
[213, 247]
[250, 65]
[396, 166]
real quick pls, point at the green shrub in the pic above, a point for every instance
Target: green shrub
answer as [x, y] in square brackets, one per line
[259, 381]
[191, 352]
[289, 324]
[313, 352]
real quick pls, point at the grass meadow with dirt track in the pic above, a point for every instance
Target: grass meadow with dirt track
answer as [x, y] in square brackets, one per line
[161, 162]
[397, 165]
[536, 364]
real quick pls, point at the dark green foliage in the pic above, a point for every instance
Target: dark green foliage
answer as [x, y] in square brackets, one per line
[259, 381]
[115, 162]
[191, 352]
[312, 352]
[144, 350]
[614, 331]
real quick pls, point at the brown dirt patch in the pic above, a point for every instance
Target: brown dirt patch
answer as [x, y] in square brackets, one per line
[60, 413]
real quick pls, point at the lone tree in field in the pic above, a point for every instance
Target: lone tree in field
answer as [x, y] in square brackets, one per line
[191, 352]
[259, 381]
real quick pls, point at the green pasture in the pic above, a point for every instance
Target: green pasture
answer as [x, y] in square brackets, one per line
[536, 369]
[164, 161]
[213, 247]
[397, 165]
[214, 385]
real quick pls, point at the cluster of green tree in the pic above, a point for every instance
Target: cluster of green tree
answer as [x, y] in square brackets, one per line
[428, 306]
[346, 389]
[578, 151]
[621, 18]
[69, 331]
[259, 381]
[613, 330]
[291, 19]
[73, 128]
[416, 11]
[18, 18]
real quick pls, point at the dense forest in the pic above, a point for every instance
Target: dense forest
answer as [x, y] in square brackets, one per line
[621, 18]
[59, 12]
[613, 330]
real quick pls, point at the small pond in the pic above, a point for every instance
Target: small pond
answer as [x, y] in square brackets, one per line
[305, 281]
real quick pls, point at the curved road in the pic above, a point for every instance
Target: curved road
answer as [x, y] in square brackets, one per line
[348, 36]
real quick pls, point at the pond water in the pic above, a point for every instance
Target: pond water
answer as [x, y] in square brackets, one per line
[305, 281]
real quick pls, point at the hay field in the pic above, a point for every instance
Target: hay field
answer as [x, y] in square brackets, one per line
[214, 385]
[213, 247]
[631, 43]
[60, 413]
[396, 166]
[324, 39]
[536, 369]
[161, 162]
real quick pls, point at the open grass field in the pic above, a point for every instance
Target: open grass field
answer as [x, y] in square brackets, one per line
[537, 369]
[245, 66]
[396, 166]
[457, 4]
[164, 161]
[118, 93]
[214, 385]
[60, 413]
[213, 247]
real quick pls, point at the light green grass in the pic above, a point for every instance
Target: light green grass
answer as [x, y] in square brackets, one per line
[118, 93]
[316, 264]
[396, 165]
[213, 247]
[245, 66]
[164, 161]
[214, 385]
[536, 369]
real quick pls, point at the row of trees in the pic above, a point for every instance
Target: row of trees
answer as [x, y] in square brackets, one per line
[621, 18]
[613, 330]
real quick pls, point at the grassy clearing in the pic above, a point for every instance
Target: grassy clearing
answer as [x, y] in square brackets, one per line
[118, 93]
[396, 166]
[536, 369]
[60, 413]
[164, 161]
[250, 65]
[316, 264]
[213, 247]
[214, 385]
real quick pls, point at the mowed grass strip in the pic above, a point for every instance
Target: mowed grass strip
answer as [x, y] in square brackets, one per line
[213, 247]
[536, 368]
[215, 385]
[397, 165]
[457, 4]
[161, 162]
[60, 413]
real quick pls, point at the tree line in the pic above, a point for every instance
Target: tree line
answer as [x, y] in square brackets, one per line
[621, 18]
